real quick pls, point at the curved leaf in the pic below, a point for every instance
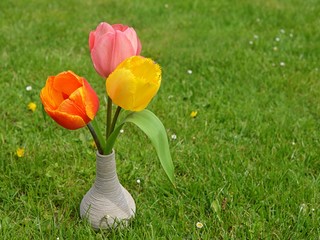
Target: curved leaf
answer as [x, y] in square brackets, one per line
[150, 124]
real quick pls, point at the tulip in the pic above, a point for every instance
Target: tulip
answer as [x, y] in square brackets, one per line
[110, 45]
[134, 83]
[69, 100]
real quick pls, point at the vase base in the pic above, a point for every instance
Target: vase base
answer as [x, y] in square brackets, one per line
[107, 213]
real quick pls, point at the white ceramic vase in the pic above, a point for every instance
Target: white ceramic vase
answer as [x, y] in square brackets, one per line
[107, 204]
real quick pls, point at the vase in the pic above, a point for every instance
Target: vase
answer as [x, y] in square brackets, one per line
[107, 204]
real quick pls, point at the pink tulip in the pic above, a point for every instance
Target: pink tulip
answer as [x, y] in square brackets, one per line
[110, 45]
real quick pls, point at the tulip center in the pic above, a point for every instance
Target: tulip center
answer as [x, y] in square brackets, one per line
[65, 96]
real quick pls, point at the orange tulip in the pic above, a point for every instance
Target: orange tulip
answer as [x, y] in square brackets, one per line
[134, 83]
[69, 100]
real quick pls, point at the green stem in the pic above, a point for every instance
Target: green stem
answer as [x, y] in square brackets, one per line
[109, 113]
[96, 136]
[115, 118]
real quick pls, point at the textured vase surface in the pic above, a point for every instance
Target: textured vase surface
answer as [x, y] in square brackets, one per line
[107, 204]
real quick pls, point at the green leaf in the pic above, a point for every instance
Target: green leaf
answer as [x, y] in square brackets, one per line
[150, 124]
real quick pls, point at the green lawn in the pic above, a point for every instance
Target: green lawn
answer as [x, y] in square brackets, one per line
[247, 166]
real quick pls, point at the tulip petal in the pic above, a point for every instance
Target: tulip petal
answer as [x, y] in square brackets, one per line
[92, 37]
[66, 120]
[67, 83]
[104, 28]
[119, 27]
[74, 105]
[147, 90]
[101, 29]
[49, 96]
[144, 68]
[131, 35]
[90, 100]
[121, 87]
[100, 54]
[135, 41]
[123, 42]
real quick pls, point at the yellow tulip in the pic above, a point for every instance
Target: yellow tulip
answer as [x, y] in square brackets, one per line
[134, 83]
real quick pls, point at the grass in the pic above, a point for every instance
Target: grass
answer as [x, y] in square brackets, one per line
[247, 166]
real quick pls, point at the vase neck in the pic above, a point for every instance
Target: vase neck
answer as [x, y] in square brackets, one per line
[106, 174]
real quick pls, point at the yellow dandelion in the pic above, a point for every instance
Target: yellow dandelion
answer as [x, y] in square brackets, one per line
[199, 225]
[20, 152]
[193, 114]
[32, 106]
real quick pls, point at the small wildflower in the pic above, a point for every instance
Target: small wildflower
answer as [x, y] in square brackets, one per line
[173, 137]
[138, 181]
[282, 64]
[277, 39]
[255, 36]
[282, 31]
[189, 71]
[199, 225]
[303, 208]
[291, 35]
[20, 152]
[293, 143]
[251, 42]
[275, 49]
[32, 106]
[166, 5]
[193, 114]
[121, 131]
[28, 88]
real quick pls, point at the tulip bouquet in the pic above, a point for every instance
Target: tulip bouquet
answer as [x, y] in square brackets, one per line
[131, 83]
